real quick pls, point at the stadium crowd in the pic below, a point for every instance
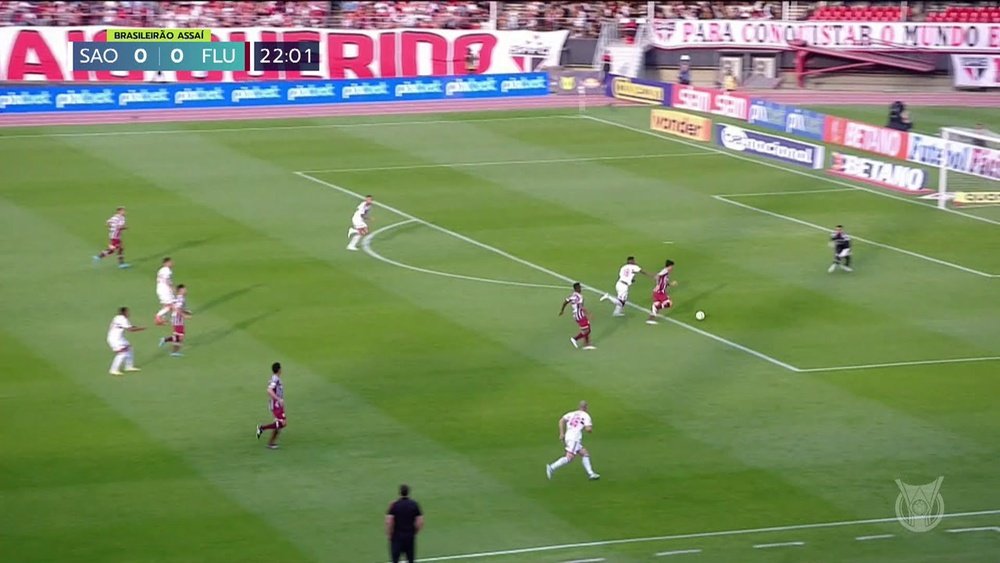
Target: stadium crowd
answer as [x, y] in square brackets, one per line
[583, 19]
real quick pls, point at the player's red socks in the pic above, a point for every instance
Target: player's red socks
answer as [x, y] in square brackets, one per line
[272, 426]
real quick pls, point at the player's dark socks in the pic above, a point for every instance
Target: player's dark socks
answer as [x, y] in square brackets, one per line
[578, 336]
[847, 261]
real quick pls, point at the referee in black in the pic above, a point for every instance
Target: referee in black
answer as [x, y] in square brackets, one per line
[403, 521]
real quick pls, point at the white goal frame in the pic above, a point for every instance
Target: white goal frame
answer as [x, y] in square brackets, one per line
[964, 136]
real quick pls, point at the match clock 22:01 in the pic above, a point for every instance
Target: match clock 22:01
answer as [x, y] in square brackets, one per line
[286, 55]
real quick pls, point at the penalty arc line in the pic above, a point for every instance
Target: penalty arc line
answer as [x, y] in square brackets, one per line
[366, 246]
[783, 168]
[557, 275]
[867, 241]
[720, 533]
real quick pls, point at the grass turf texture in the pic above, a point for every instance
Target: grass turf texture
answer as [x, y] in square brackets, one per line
[454, 386]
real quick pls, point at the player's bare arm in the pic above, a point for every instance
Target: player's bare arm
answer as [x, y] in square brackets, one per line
[588, 428]
[390, 523]
[274, 397]
[562, 429]
[135, 328]
[563, 309]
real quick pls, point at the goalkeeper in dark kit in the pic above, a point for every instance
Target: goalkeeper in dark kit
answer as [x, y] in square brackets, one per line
[841, 243]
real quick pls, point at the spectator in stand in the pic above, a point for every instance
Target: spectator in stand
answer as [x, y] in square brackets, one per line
[684, 74]
[729, 82]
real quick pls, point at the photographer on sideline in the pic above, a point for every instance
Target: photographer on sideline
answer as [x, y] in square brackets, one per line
[899, 117]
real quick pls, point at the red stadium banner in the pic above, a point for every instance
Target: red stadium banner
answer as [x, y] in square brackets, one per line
[865, 137]
[709, 100]
[42, 54]
[869, 35]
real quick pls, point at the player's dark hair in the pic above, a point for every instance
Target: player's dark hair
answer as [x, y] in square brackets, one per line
[576, 286]
[122, 310]
[167, 259]
[404, 490]
[275, 367]
[840, 226]
[369, 195]
[181, 286]
[669, 263]
[630, 259]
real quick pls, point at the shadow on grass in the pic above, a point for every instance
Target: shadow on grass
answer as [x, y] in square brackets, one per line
[170, 251]
[214, 336]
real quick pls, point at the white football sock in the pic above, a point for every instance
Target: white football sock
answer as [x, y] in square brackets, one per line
[653, 310]
[618, 309]
[351, 232]
[162, 312]
[116, 364]
[559, 463]
[129, 359]
[354, 241]
[587, 466]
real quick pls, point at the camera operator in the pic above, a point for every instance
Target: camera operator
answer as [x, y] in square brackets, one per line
[899, 117]
[471, 61]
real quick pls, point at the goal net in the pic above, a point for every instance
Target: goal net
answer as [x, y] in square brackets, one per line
[969, 168]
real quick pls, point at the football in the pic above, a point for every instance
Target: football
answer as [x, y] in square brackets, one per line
[700, 315]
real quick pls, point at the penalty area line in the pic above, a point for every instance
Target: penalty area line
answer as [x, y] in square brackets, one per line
[506, 162]
[903, 364]
[366, 247]
[554, 274]
[720, 533]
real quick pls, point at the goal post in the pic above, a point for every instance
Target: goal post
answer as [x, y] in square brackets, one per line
[969, 167]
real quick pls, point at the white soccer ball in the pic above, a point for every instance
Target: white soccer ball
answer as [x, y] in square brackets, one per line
[700, 315]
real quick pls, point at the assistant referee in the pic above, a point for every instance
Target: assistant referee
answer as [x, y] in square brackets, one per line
[403, 521]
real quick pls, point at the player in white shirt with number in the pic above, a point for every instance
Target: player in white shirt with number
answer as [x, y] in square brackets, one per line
[572, 425]
[165, 289]
[359, 223]
[119, 344]
[626, 276]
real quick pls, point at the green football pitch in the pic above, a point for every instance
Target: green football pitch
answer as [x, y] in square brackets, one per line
[775, 430]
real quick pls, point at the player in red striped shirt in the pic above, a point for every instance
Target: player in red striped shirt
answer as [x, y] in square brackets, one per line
[581, 316]
[276, 402]
[116, 224]
[178, 312]
[661, 292]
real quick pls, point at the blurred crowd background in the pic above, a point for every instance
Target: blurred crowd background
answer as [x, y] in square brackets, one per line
[583, 19]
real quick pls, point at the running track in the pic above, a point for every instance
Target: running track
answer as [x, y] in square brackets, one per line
[964, 99]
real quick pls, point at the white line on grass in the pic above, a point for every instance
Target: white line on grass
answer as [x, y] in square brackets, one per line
[366, 246]
[794, 192]
[676, 552]
[981, 529]
[741, 532]
[597, 560]
[278, 127]
[938, 261]
[523, 262]
[504, 162]
[780, 544]
[784, 168]
[904, 364]
[875, 537]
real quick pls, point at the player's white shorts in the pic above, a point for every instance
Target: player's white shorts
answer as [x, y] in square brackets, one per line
[119, 344]
[165, 295]
[573, 446]
[844, 253]
[358, 222]
[622, 289]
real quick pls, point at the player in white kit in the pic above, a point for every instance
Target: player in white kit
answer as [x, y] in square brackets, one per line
[165, 289]
[359, 223]
[119, 344]
[572, 425]
[626, 276]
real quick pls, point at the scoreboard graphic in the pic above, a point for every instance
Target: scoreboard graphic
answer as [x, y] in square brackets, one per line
[190, 50]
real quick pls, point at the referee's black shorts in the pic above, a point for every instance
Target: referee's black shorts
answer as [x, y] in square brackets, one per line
[399, 547]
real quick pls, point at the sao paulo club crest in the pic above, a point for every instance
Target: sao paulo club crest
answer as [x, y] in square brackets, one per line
[974, 67]
[530, 55]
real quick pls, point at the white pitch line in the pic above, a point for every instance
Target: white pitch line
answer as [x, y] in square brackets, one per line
[903, 364]
[676, 552]
[784, 168]
[868, 241]
[505, 162]
[597, 560]
[279, 127]
[981, 529]
[742, 532]
[495, 250]
[781, 544]
[794, 192]
[875, 537]
[366, 246]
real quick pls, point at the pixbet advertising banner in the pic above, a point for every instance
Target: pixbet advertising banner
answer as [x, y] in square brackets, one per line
[709, 100]
[958, 157]
[167, 96]
[772, 34]
[787, 119]
[976, 71]
[909, 179]
[770, 146]
[42, 53]
[865, 137]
